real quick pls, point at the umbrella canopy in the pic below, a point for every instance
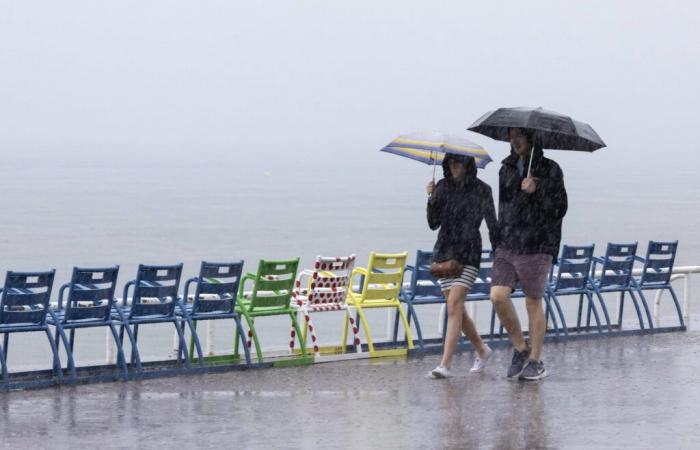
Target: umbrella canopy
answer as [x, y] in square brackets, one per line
[430, 148]
[552, 130]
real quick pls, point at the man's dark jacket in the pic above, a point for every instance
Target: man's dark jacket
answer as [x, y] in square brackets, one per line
[531, 223]
[458, 210]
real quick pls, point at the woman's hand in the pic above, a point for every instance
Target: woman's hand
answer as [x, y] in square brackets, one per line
[430, 188]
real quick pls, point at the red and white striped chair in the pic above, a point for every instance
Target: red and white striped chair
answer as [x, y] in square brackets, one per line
[323, 289]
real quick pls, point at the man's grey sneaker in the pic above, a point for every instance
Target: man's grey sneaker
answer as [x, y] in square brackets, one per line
[518, 363]
[533, 371]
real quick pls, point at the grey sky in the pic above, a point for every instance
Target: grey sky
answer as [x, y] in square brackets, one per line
[144, 77]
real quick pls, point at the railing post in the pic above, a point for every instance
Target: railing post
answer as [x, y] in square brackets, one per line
[686, 299]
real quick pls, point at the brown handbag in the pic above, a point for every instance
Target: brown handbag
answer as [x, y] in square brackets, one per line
[446, 269]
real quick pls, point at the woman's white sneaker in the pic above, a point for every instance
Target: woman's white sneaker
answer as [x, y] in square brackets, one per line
[440, 372]
[479, 362]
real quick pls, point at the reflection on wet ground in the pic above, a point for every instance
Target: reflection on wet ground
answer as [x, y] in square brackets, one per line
[620, 392]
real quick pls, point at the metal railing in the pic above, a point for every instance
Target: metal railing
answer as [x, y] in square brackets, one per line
[679, 273]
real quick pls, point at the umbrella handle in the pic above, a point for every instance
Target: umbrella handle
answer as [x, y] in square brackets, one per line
[529, 166]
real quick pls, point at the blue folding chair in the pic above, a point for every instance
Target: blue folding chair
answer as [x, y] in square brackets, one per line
[423, 289]
[155, 300]
[89, 304]
[24, 305]
[573, 271]
[656, 274]
[214, 298]
[615, 276]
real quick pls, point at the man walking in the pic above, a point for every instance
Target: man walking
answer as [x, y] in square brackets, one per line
[531, 205]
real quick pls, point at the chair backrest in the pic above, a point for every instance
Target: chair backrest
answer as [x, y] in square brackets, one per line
[155, 290]
[574, 267]
[482, 284]
[25, 297]
[274, 283]
[617, 265]
[91, 293]
[217, 286]
[330, 280]
[384, 276]
[658, 266]
[423, 283]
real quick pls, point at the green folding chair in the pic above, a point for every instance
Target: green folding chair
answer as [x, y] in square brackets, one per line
[270, 296]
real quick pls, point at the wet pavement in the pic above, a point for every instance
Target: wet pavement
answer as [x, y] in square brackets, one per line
[635, 392]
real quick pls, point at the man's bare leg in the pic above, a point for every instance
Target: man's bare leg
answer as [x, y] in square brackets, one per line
[537, 326]
[500, 297]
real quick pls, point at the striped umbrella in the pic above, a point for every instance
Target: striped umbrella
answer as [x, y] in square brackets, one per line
[430, 148]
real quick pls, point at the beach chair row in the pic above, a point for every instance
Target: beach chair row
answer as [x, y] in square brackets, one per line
[577, 272]
[220, 291]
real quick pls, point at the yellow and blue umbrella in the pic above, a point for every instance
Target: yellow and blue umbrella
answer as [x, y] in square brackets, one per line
[430, 148]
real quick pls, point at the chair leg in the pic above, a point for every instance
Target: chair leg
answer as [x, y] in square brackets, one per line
[3, 368]
[183, 344]
[135, 356]
[493, 322]
[6, 344]
[646, 308]
[344, 338]
[591, 307]
[444, 324]
[407, 327]
[192, 333]
[365, 326]
[292, 336]
[136, 339]
[588, 316]
[412, 312]
[550, 311]
[580, 312]
[678, 306]
[561, 315]
[240, 336]
[352, 323]
[253, 337]
[194, 338]
[639, 311]
[295, 324]
[309, 325]
[121, 359]
[56, 361]
[605, 310]
[72, 338]
[395, 333]
[621, 308]
[61, 336]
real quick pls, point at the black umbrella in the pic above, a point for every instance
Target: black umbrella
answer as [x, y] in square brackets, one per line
[551, 129]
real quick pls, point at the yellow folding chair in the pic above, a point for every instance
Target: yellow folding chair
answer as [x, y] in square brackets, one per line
[379, 289]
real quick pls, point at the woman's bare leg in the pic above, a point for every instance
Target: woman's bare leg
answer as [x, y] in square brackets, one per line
[455, 314]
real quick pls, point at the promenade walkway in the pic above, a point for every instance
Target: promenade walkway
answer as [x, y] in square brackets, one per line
[625, 392]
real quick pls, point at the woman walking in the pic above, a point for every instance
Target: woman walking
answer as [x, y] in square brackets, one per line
[457, 205]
